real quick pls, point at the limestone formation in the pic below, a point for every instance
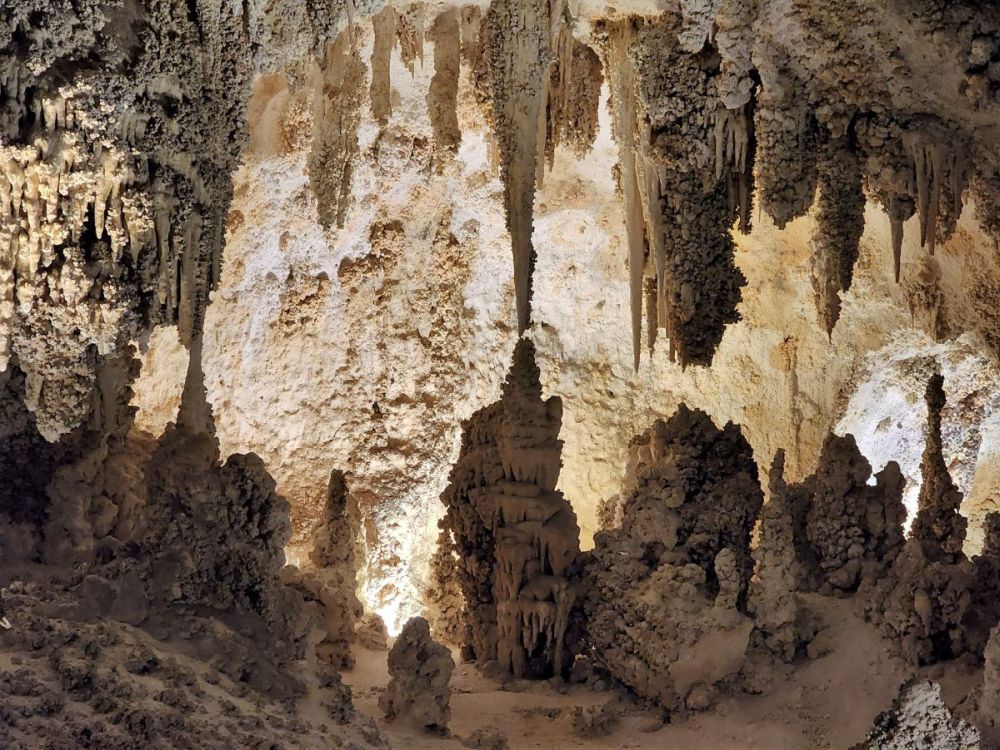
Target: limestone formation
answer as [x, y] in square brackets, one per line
[337, 115]
[442, 97]
[419, 670]
[840, 221]
[215, 532]
[919, 718]
[685, 172]
[359, 197]
[515, 537]
[666, 592]
[988, 717]
[332, 582]
[779, 575]
[922, 604]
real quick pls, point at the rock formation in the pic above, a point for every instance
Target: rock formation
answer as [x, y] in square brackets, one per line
[419, 670]
[515, 537]
[337, 115]
[923, 601]
[988, 719]
[685, 176]
[332, 582]
[920, 718]
[215, 533]
[665, 593]
[780, 573]
[145, 599]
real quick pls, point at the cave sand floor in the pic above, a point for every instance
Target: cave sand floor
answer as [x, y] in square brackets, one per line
[828, 702]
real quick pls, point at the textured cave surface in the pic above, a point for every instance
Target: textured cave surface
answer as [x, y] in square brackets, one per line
[503, 374]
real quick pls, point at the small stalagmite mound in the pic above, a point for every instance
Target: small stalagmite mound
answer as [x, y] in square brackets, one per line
[420, 671]
[331, 585]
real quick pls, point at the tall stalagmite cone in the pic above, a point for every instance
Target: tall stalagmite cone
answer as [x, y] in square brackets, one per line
[939, 527]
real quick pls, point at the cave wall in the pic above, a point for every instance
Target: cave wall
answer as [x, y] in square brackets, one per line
[364, 346]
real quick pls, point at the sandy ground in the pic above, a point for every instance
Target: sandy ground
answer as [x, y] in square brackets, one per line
[829, 702]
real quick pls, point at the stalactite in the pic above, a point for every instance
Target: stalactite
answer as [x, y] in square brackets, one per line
[840, 222]
[786, 139]
[625, 126]
[940, 176]
[384, 26]
[471, 22]
[900, 209]
[686, 197]
[337, 114]
[410, 33]
[442, 98]
[520, 39]
[573, 96]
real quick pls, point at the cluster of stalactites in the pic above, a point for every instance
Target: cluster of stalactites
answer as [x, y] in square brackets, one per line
[685, 163]
[115, 178]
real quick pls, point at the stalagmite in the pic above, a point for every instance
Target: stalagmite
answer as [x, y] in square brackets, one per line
[924, 600]
[332, 583]
[420, 671]
[384, 26]
[666, 592]
[840, 222]
[337, 114]
[442, 98]
[215, 532]
[939, 526]
[515, 537]
[779, 576]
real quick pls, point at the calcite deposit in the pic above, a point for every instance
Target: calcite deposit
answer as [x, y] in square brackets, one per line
[607, 315]
[666, 592]
[420, 669]
[515, 538]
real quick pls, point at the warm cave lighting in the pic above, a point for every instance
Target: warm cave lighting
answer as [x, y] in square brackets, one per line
[500, 374]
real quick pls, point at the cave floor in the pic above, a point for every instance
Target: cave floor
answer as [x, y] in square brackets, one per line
[827, 702]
